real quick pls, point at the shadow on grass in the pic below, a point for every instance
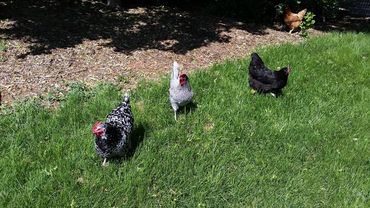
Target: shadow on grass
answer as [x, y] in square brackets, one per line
[137, 138]
[187, 108]
[50, 24]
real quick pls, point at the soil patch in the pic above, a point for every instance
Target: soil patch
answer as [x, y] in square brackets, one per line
[44, 55]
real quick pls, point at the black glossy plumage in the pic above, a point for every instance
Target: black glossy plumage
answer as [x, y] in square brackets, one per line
[264, 80]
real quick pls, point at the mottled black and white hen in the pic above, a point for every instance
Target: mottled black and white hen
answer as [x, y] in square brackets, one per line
[112, 138]
[264, 80]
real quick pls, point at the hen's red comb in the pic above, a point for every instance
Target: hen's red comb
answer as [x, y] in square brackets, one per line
[95, 126]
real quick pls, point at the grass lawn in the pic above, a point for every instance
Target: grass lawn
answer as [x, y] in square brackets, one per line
[308, 148]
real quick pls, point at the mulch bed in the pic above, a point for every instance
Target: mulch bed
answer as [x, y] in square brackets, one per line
[44, 54]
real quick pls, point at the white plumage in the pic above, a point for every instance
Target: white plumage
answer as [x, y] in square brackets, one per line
[180, 90]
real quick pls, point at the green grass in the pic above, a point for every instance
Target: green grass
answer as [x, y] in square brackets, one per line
[308, 148]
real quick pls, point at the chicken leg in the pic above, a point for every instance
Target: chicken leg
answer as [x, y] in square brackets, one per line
[175, 107]
[105, 163]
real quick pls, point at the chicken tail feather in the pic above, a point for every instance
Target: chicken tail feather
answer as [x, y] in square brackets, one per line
[257, 61]
[126, 98]
[175, 70]
[301, 14]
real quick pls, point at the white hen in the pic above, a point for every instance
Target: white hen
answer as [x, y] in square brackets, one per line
[180, 89]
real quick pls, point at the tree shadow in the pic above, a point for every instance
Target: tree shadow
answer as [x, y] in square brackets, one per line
[48, 25]
[352, 16]
[346, 23]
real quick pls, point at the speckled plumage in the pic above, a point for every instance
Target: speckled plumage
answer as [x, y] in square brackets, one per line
[179, 95]
[115, 142]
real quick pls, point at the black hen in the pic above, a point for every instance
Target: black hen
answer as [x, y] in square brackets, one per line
[112, 138]
[264, 80]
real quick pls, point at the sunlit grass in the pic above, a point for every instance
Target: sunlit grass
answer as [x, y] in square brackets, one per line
[308, 148]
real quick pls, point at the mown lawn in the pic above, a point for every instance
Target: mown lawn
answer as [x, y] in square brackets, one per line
[308, 148]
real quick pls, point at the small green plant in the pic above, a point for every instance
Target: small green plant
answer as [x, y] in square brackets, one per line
[123, 79]
[2, 48]
[55, 96]
[307, 23]
[2, 45]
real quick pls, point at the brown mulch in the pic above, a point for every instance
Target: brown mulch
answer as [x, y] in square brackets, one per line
[105, 53]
